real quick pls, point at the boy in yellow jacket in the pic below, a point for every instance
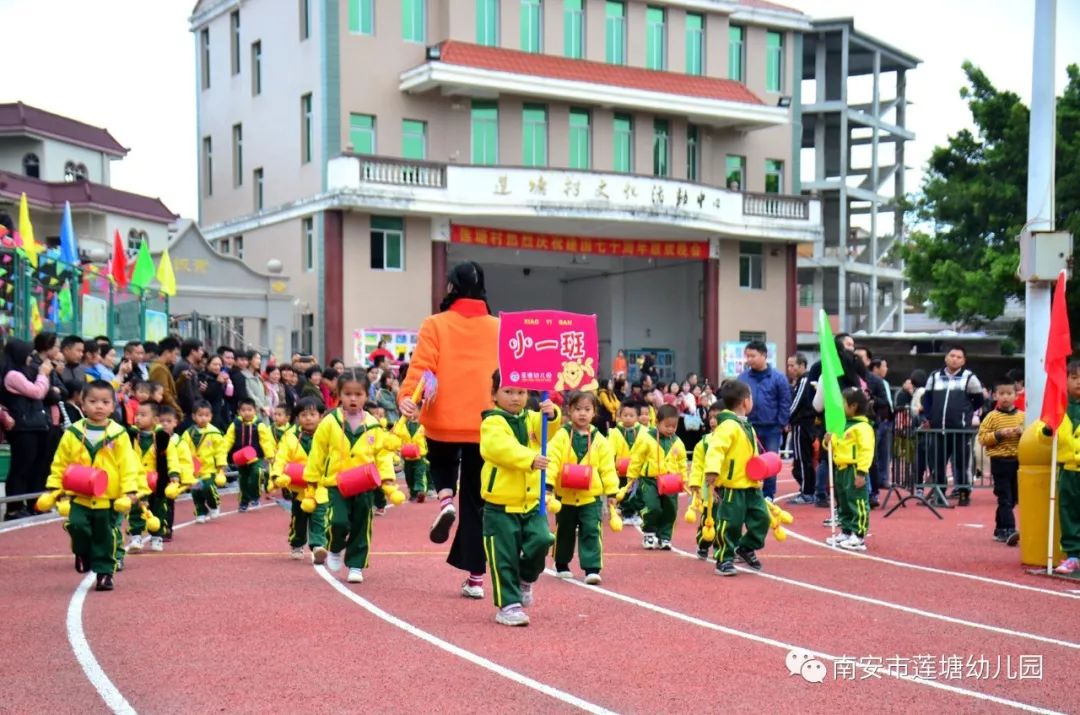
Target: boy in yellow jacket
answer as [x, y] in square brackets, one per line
[581, 515]
[516, 535]
[294, 448]
[622, 439]
[207, 447]
[155, 454]
[346, 438]
[416, 468]
[658, 451]
[169, 421]
[247, 431]
[853, 453]
[96, 441]
[697, 478]
[737, 500]
[1068, 490]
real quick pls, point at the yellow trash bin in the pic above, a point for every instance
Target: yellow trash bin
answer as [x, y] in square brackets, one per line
[1033, 487]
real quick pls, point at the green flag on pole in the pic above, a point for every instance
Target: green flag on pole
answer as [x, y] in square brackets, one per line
[66, 309]
[831, 370]
[144, 268]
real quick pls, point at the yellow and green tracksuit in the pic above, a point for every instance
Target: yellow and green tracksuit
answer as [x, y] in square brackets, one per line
[697, 479]
[581, 515]
[516, 535]
[653, 455]
[93, 526]
[737, 499]
[1068, 489]
[304, 528]
[187, 475]
[154, 452]
[416, 470]
[207, 446]
[853, 453]
[249, 434]
[336, 447]
[622, 441]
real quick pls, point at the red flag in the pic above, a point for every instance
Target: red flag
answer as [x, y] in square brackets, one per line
[1058, 350]
[84, 287]
[118, 265]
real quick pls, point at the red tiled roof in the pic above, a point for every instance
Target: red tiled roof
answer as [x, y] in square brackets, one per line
[551, 66]
[84, 195]
[766, 5]
[23, 117]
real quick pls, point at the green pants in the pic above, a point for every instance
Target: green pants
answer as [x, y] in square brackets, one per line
[349, 526]
[206, 497]
[307, 528]
[852, 503]
[1068, 498]
[159, 507]
[416, 475]
[630, 505]
[136, 522]
[95, 535]
[378, 498]
[249, 482]
[516, 547]
[580, 523]
[701, 542]
[737, 508]
[657, 512]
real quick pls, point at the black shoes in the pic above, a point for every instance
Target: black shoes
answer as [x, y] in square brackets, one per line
[104, 582]
[749, 558]
[80, 564]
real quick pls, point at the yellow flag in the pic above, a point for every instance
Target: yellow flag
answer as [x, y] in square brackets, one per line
[26, 232]
[165, 274]
[36, 324]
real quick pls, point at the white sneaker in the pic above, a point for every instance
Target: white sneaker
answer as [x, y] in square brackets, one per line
[297, 553]
[836, 539]
[853, 543]
[593, 579]
[634, 520]
[665, 545]
[135, 544]
[649, 542]
[333, 562]
[512, 616]
[440, 529]
[157, 543]
[526, 594]
[470, 591]
[318, 555]
[356, 576]
[565, 574]
[215, 512]
[201, 519]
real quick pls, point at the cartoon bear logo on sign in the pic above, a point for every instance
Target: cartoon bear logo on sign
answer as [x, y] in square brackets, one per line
[573, 376]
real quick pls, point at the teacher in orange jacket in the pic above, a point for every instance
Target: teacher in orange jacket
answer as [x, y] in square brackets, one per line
[460, 346]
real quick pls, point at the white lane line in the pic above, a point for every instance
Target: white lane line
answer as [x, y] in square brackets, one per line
[511, 675]
[787, 647]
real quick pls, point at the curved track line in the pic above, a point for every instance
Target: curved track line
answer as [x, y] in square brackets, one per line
[694, 620]
[452, 649]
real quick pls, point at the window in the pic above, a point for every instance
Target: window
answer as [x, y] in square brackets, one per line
[487, 22]
[534, 135]
[234, 41]
[413, 139]
[574, 29]
[307, 333]
[414, 20]
[774, 62]
[362, 133]
[306, 128]
[615, 32]
[238, 154]
[307, 230]
[623, 132]
[695, 43]
[224, 246]
[580, 139]
[133, 241]
[208, 165]
[750, 266]
[257, 180]
[256, 68]
[746, 336]
[362, 17]
[661, 162]
[806, 295]
[532, 25]
[734, 171]
[736, 53]
[204, 46]
[238, 246]
[32, 166]
[655, 41]
[485, 132]
[774, 176]
[305, 19]
[387, 243]
[693, 153]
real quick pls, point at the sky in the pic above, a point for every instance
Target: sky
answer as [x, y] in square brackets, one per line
[129, 66]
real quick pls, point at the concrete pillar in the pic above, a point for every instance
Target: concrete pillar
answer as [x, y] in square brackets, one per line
[333, 306]
[711, 332]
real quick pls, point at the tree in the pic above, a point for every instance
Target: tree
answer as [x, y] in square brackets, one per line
[974, 203]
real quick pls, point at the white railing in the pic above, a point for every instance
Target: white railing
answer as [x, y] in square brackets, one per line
[400, 172]
[776, 206]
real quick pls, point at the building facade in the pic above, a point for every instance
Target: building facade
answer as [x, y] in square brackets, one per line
[634, 160]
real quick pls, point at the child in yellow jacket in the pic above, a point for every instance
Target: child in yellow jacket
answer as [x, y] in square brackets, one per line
[1068, 475]
[294, 448]
[169, 422]
[346, 438]
[411, 432]
[853, 453]
[207, 447]
[622, 438]
[697, 478]
[96, 441]
[656, 452]
[247, 431]
[157, 455]
[581, 515]
[516, 535]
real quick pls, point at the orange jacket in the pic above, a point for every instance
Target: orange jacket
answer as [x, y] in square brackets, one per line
[460, 346]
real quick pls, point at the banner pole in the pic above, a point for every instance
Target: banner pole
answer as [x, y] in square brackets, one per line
[1053, 501]
[543, 452]
[832, 495]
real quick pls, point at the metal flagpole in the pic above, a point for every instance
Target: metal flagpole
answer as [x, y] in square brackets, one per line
[832, 494]
[1053, 502]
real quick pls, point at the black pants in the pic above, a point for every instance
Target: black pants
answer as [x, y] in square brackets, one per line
[451, 461]
[1004, 473]
[951, 448]
[30, 460]
[802, 447]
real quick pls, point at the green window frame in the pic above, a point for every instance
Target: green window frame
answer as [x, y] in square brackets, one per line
[774, 176]
[623, 136]
[414, 20]
[487, 22]
[362, 17]
[387, 243]
[580, 136]
[307, 128]
[615, 32]
[413, 139]
[693, 153]
[655, 38]
[573, 29]
[532, 25]
[737, 53]
[735, 172]
[774, 61]
[484, 132]
[534, 135]
[751, 267]
[695, 43]
[362, 133]
[661, 147]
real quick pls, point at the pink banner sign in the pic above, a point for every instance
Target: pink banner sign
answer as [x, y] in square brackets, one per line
[548, 350]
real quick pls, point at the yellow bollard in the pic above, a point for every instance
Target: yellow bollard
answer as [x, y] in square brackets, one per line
[1033, 487]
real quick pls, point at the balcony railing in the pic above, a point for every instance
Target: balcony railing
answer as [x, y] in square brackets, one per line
[776, 206]
[400, 172]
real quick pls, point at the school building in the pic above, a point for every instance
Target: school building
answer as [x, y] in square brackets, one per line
[635, 160]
